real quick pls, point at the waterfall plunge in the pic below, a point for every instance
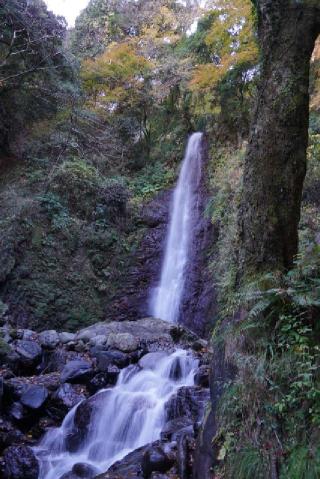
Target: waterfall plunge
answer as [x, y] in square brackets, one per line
[166, 299]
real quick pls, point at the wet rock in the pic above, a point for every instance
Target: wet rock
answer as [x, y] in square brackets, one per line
[49, 339]
[151, 360]
[108, 358]
[102, 380]
[129, 467]
[83, 421]
[156, 459]
[199, 345]
[178, 425]
[29, 354]
[188, 402]
[81, 471]
[85, 471]
[77, 372]
[202, 376]
[66, 397]
[20, 463]
[66, 337]
[124, 342]
[34, 397]
[176, 372]
[69, 475]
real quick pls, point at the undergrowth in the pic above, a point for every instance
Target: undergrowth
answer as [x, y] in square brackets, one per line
[269, 416]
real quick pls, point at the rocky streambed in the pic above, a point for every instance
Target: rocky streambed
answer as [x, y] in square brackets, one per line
[44, 376]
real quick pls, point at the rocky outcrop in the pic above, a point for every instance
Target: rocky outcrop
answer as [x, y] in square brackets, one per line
[132, 300]
[77, 368]
[198, 308]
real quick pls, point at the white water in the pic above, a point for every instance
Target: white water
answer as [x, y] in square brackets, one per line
[166, 299]
[131, 415]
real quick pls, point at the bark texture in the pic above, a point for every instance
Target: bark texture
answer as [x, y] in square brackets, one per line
[275, 163]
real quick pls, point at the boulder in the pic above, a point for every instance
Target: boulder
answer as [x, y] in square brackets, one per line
[29, 335]
[124, 342]
[98, 340]
[85, 471]
[14, 388]
[55, 360]
[102, 380]
[149, 330]
[34, 396]
[66, 337]
[66, 397]
[151, 360]
[109, 358]
[157, 459]
[29, 353]
[20, 463]
[81, 471]
[49, 339]
[142, 462]
[77, 372]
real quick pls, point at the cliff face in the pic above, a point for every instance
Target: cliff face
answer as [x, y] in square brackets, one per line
[199, 299]
[132, 299]
[198, 309]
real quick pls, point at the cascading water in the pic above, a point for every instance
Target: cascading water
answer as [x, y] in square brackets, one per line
[133, 414]
[127, 417]
[166, 298]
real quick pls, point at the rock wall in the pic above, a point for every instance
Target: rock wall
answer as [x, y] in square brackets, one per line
[198, 310]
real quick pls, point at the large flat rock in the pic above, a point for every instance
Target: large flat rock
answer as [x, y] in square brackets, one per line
[148, 329]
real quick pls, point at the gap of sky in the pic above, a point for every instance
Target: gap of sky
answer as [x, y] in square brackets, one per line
[69, 9]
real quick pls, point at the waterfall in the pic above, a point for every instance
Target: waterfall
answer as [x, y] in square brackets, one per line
[129, 416]
[133, 413]
[166, 298]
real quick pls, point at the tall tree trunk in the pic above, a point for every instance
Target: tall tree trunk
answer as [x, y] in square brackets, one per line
[275, 163]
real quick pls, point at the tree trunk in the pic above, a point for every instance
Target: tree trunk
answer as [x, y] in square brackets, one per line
[275, 163]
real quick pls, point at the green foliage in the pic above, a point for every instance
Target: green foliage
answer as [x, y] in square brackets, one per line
[57, 213]
[34, 69]
[78, 184]
[249, 464]
[303, 463]
[153, 179]
[276, 395]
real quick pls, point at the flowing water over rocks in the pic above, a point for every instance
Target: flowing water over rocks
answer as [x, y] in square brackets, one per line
[117, 421]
